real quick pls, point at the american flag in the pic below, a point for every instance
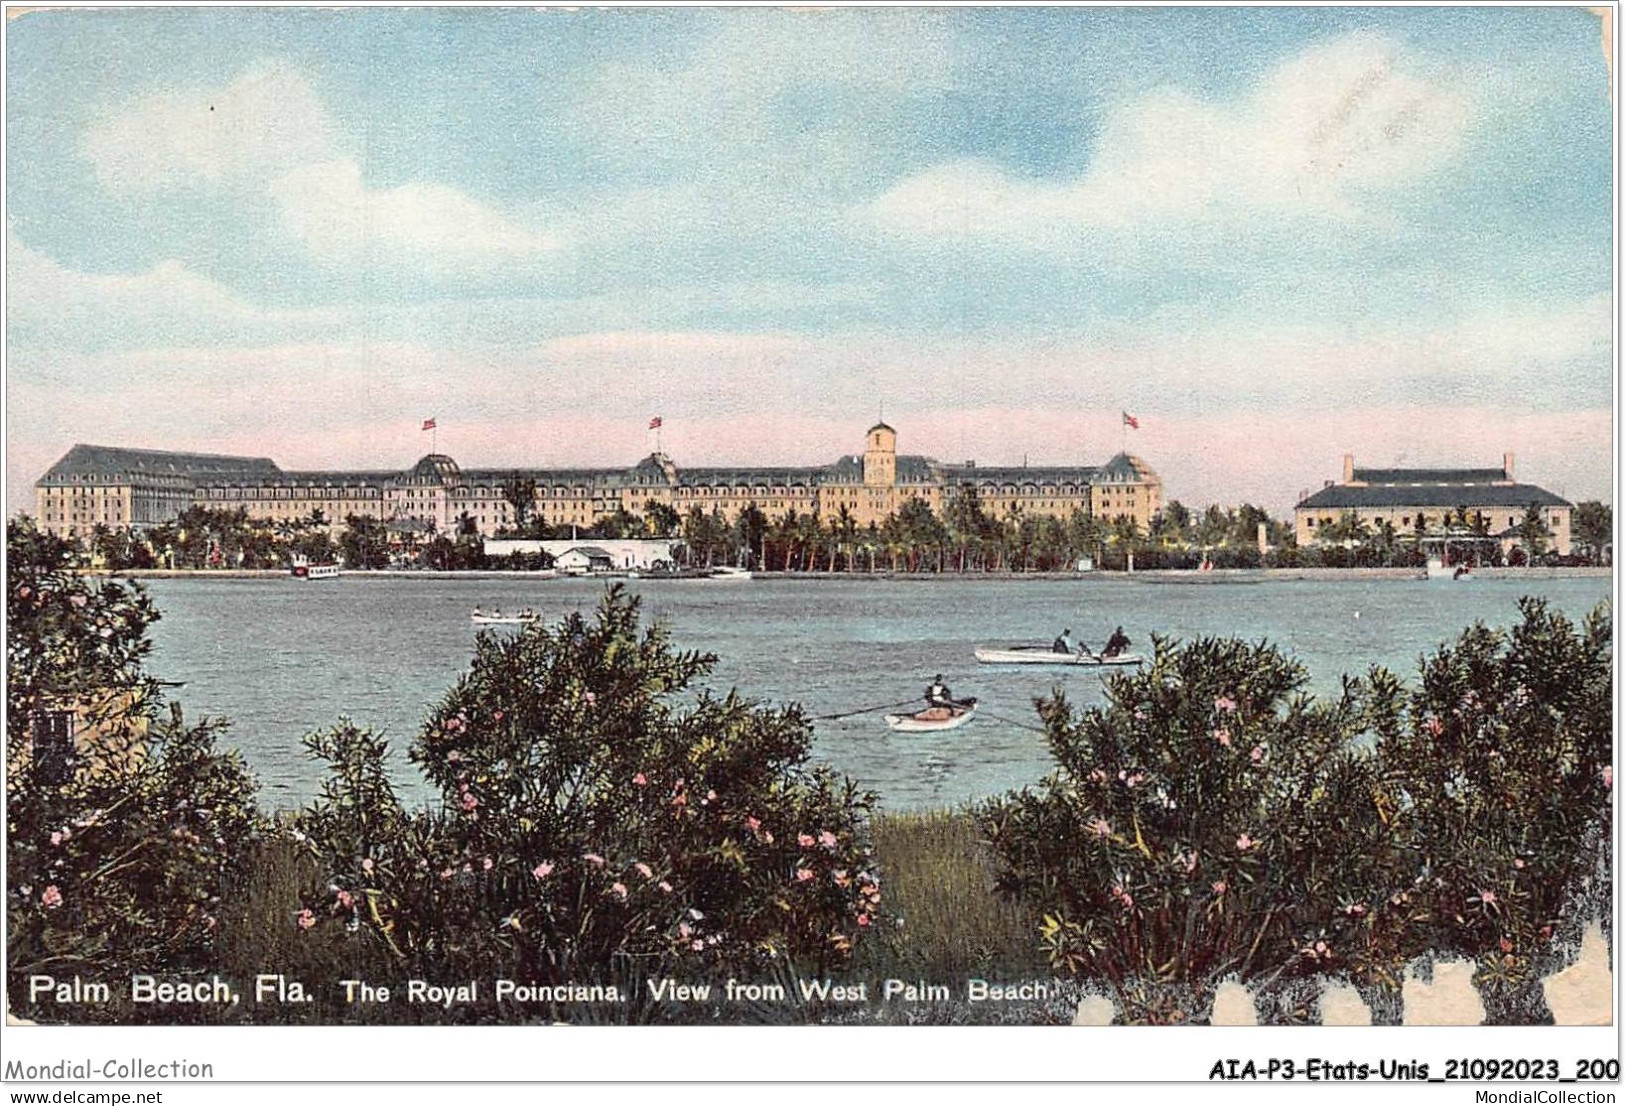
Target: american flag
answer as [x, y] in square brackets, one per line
[1130, 421]
[655, 423]
[428, 424]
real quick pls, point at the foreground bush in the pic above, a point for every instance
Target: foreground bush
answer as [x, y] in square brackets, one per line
[1211, 820]
[122, 819]
[1498, 772]
[600, 817]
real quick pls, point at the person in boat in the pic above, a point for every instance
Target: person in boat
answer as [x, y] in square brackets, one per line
[1063, 644]
[1116, 643]
[938, 695]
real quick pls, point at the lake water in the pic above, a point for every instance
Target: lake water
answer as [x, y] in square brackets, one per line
[280, 657]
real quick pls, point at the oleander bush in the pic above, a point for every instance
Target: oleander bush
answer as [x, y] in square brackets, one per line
[1211, 820]
[1498, 774]
[602, 817]
[123, 820]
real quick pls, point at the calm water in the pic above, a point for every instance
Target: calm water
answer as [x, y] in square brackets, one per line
[280, 657]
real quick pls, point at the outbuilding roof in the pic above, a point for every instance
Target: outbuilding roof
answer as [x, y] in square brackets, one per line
[1351, 497]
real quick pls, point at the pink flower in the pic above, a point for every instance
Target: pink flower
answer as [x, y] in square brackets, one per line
[863, 920]
[1100, 827]
[496, 716]
[1257, 754]
[1355, 910]
[591, 699]
[1225, 703]
[1517, 862]
[1486, 897]
[346, 899]
[755, 824]
[1098, 775]
[803, 875]
[306, 920]
[56, 837]
[594, 859]
[1139, 715]
[366, 865]
[805, 840]
[1608, 776]
[52, 898]
[485, 865]
[1220, 887]
[664, 886]
[542, 870]
[697, 945]
[644, 870]
[1244, 842]
[1222, 736]
[1435, 727]
[640, 780]
[619, 889]
[469, 801]
[454, 756]
[1136, 779]
[827, 839]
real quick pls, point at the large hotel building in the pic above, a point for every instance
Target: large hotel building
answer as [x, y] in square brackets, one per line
[100, 485]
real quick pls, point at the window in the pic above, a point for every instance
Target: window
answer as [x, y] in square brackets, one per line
[53, 745]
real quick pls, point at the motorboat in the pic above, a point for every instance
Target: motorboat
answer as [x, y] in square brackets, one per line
[934, 718]
[1046, 654]
[303, 571]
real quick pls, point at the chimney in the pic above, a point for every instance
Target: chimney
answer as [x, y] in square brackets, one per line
[1348, 468]
[1506, 464]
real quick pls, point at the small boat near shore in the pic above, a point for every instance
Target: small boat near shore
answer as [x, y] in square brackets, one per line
[1044, 654]
[729, 572]
[933, 718]
[314, 572]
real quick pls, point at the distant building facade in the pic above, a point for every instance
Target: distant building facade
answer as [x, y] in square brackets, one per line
[1428, 501]
[99, 485]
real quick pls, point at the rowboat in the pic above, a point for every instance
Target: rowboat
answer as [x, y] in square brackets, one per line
[729, 572]
[933, 718]
[502, 619]
[1044, 654]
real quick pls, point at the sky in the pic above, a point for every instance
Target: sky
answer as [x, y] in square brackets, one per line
[1274, 236]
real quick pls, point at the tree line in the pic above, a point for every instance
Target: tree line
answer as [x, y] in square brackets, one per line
[966, 537]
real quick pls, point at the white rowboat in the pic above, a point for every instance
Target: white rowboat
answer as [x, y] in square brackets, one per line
[933, 718]
[1043, 654]
[502, 619]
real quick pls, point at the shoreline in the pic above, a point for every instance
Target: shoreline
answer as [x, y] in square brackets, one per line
[1151, 575]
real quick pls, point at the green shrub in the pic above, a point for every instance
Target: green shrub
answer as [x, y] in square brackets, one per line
[123, 821]
[1208, 821]
[1212, 820]
[1500, 772]
[600, 817]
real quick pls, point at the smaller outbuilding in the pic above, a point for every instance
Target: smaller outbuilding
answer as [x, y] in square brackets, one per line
[584, 560]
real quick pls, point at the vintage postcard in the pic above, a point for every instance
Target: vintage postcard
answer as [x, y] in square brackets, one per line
[870, 516]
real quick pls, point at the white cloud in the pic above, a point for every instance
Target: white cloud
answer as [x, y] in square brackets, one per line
[264, 122]
[1315, 137]
[330, 209]
[268, 134]
[50, 304]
